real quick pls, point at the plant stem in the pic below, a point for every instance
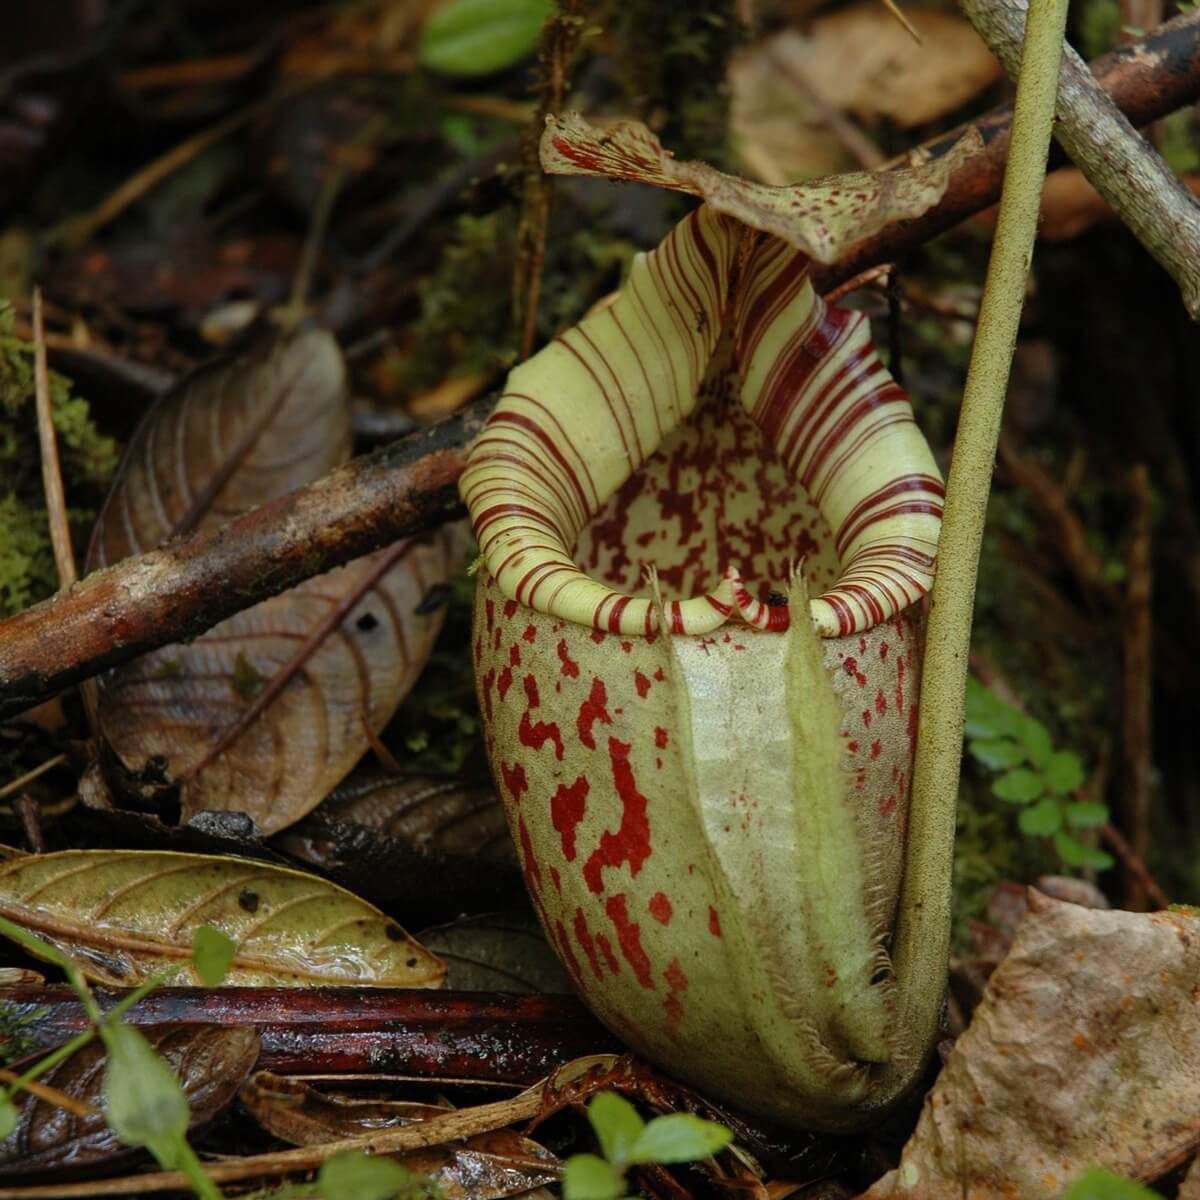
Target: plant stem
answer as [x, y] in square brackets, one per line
[200, 1182]
[922, 934]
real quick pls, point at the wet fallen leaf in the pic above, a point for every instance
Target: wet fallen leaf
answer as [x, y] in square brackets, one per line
[297, 1113]
[432, 813]
[268, 710]
[440, 844]
[211, 1063]
[486, 1166]
[1082, 1053]
[496, 952]
[125, 915]
[860, 60]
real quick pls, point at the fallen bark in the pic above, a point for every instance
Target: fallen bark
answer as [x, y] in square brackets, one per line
[514, 1039]
[183, 589]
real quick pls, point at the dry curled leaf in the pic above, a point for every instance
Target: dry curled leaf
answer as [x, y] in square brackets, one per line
[1082, 1053]
[302, 1115]
[125, 915]
[822, 217]
[268, 710]
[497, 952]
[211, 1062]
[231, 437]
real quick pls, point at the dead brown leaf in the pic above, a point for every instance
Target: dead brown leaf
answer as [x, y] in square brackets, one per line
[1083, 1052]
[435, 814]
[210, 1062]
[859, 60]
[776, 130]
[267, 711]
[496, 952]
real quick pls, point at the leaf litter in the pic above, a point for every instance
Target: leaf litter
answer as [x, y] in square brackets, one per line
[266, 712]
[125, 915]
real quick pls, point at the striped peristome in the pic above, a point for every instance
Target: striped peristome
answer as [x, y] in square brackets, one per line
[578, 420]
[674, 499]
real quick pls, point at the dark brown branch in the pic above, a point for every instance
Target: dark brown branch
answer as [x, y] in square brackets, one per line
[1135, 181]
[178, 592]
[188, 586]
[1147, 80]
[350, 1031]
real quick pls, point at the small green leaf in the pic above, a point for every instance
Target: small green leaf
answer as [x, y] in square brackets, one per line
[477, 37]
[679, 1137]
[143, 1102]
[1036, 740]
[1086, 815]
[987, 715]
[362, 1176]
[1064, 772]
[1075, 854]
[997, 753]
[1097, 1184]
[617, 1125]
[1041, 819]
[589, 1177]
[8, 1115]
[212, 952]
[1019, 786]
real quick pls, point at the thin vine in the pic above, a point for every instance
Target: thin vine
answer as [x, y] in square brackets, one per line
[922, 932]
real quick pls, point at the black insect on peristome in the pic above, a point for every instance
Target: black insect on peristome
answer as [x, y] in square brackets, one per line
[776, 600]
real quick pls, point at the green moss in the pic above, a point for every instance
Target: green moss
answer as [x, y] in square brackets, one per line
[466, 324]
[987, 850]
[675, 58]
[1097, 25]
[247, 680]
[18, 1032]
[1179, 142]
[89, 458]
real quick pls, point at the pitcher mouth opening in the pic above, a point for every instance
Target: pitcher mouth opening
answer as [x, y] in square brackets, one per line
[709, 426]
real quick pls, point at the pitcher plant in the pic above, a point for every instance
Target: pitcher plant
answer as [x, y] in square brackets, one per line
[707, 519]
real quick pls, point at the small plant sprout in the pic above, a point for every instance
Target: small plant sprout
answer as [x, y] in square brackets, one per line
[1098, 1184]
[144, 1103]
[627, 1141]
[1031, 773]
[354, 1175]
